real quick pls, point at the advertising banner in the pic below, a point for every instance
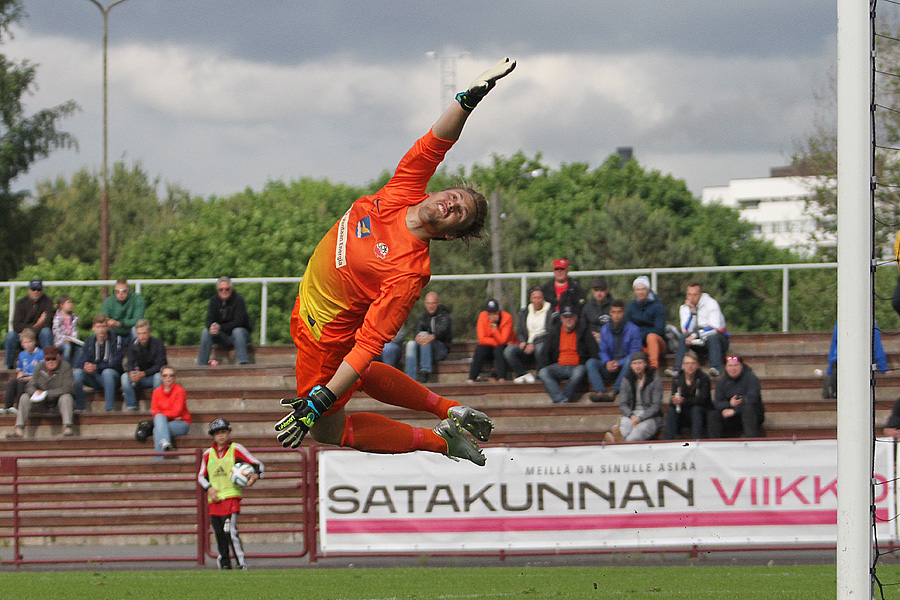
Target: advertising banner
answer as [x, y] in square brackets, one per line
[670, 494]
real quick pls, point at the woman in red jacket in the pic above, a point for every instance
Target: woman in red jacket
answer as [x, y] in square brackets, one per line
[170, 414]
[495, 331]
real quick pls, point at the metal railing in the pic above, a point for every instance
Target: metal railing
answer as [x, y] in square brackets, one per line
[523, 278]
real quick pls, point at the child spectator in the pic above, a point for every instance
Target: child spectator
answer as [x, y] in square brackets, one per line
[223, 495]
[25, 364]
[170, 413]
[65, 327]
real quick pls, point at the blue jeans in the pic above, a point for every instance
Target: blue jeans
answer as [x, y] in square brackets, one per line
[164, 430]
[598, 374]
[694, 417]
[551, 375]
[716, 344]
[12, 347]
[152, 382]
[422, 358]
[239, 339]
[108, 380]
[515, 358]
[390, 355]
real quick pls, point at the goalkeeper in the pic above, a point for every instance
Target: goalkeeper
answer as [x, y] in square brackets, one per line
[358, 289]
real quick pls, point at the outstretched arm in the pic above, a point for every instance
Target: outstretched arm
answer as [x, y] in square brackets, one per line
[450, 124]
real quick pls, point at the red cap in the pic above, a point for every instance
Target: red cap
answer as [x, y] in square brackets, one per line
[560, 263]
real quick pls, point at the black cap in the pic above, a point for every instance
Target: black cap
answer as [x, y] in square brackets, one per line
[599, 283]
[36, 284]
[568, 311]
[638, 356]
[492, 306]
[219, 424]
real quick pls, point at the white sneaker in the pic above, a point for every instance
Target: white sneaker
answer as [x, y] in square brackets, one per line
[526, 378]
[12, 410]
[529, 378]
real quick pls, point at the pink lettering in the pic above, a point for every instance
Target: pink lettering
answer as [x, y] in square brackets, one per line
[782, 492]
[737, 490]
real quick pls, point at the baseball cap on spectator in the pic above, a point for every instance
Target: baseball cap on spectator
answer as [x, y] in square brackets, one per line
[492, 306]
[642, 280]
[51, 352]
[36, 284]
[560, 263]
[599, 283]
[568, 311]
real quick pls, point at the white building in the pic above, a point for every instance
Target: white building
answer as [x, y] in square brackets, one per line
[777, 208]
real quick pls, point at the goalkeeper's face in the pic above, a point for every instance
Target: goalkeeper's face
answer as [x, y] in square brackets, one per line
[448, 212]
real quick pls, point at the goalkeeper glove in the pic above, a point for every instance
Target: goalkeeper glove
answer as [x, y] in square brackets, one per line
[294, 427]
[484, 83]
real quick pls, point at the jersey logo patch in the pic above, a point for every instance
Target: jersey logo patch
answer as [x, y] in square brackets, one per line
[381, 249]
[312, 322]
[364, 228]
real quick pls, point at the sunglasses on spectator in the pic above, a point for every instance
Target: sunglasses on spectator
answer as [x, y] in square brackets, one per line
[559, 268]
[224, 289]
[122, 291]
[733, 359]
[51, 359]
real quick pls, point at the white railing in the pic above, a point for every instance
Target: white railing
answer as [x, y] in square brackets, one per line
[523, 278]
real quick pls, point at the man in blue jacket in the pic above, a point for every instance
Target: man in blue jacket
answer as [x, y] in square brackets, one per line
[99, 364]
[649, 314]
[619, 339]
[829, 389]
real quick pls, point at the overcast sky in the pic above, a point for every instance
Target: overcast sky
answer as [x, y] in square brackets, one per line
[219, 95]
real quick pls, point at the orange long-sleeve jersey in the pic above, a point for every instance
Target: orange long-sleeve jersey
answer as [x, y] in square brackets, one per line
[495, 336]
[369, 270]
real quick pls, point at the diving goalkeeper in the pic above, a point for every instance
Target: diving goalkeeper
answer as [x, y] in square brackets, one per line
[360, 286]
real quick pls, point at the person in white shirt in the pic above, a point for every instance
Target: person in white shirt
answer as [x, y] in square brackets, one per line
[702, 329]
[532, 325]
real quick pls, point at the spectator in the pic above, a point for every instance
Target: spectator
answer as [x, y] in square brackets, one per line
[51, 388]
[35, 311]
[495, 332]
[892, 427]
[737, 404]
[227, 324]
[223, 495]
[65, 328]
[829, 386]
[27, 360]
[532, 328]
[640, 403]
[596, 309]
[144, 359]
[569, 345]
[432, 342]
[170, 413]
[691, 399]
[562, 290]
[390, 354]
[619, 339]
[702, 328]
[649, 314]
[99, 364]
[123, 309]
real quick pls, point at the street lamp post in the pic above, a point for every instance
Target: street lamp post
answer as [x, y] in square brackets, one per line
[104, 196]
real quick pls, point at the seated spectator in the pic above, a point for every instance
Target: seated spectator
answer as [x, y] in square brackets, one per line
[35, 311]
[434, 332]
[50, 389]
[596, 309]
[65, 328]
[168, 406]
[27, 360]
[568, 347]
[531, 331]
[562, 290]
[393, 350]
[619, 339]
[702, 329]
[691, 399]
[892, 427]
[99, 364]
[123, 309]
[144, 359]
[495, 331]
[737, 403]
[227, 324]
[649, 314]
[640, 402]
[829, 386]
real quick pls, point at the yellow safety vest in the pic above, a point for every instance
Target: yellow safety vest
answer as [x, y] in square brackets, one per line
[219, 470]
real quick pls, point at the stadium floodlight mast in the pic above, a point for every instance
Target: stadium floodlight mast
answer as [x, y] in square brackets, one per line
[104, 196]
[447, 60]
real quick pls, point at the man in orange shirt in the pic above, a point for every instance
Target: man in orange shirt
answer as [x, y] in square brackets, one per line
[495, 331]
[569, 345]
[360, 286]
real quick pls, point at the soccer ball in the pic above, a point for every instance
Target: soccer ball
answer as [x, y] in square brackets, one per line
[240, 473]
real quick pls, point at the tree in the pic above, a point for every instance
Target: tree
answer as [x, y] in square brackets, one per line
[23, 141]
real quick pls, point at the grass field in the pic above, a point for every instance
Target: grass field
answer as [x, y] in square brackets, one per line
[657, 583]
